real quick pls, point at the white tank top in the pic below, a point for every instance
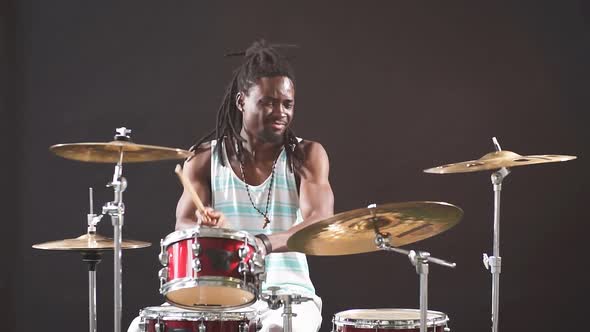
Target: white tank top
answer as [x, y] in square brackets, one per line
[289, 270]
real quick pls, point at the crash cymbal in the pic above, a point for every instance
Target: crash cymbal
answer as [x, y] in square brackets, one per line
[353, 232]
[109, 152]
[90, 242]
[497, 160]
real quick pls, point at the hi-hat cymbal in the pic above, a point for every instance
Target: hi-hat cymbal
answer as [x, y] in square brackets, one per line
[109, 152]
[90, 242]
[354, 232]
[497, 160]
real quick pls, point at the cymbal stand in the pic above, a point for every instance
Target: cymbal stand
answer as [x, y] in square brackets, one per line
[116, 210]
[286, 300]
[494, 263]
[92, 258]
[420, 260]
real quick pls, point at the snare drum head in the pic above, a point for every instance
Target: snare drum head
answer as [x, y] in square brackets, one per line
[210, 297]
[388, 318]
[168, 312]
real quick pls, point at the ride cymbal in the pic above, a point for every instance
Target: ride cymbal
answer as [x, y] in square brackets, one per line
[110, 152]
[90, 242]
[497, 160]
[354, 232]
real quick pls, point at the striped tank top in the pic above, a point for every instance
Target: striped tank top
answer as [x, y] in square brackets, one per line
[289, 270]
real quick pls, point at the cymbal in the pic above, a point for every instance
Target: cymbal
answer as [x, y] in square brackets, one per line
[109, 152]
[497, 160]
[353, 232]
[90, 242]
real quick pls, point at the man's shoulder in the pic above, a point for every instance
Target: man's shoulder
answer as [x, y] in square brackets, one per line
[311, 148]
[200, 161]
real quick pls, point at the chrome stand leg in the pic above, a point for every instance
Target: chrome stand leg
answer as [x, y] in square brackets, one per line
[92, 258]
[494, 263]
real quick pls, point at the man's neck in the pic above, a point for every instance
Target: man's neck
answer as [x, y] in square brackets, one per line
[259, 150]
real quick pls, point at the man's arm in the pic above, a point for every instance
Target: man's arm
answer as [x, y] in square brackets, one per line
[316, 199]
[197, 170]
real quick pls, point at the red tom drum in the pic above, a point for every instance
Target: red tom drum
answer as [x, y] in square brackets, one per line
[210, 268]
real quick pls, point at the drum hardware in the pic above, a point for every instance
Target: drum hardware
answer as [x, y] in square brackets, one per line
[420, 260]
[286, 301]
[119, 151]
[91, 246]
[499, 161]
[243, 252]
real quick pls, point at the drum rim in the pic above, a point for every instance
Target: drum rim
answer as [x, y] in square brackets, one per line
[224, 233]
[183, 283]
[195, 315]
[440, 320]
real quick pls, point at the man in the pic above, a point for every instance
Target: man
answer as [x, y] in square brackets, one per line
[256, 175]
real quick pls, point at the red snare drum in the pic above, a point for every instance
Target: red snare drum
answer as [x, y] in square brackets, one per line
[387, 320]
[210, 268]
[169, 318]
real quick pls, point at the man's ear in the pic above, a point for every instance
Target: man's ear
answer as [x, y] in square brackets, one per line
[240, 101]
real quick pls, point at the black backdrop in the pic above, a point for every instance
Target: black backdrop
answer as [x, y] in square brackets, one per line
[389, 88]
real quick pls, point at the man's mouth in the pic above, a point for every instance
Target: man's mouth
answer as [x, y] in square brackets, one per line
[278, 124]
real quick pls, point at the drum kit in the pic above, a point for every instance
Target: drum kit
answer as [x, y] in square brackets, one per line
[211, 276]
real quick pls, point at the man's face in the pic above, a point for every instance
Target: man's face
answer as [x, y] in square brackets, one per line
[267, 108]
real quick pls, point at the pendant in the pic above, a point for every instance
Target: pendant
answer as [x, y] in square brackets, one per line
[266, 222]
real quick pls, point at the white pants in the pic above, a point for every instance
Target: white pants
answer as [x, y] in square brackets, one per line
[308, 319]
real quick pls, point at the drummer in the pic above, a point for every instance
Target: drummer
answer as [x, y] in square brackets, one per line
[255, 175]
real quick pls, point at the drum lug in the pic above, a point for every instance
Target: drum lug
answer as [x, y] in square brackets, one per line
[243, 267]
[196, 247]
[243, 327]
[202, 327]
[158, 326]
[163, 256]
[258, 325]
[196, 265]
[142, 325]
[243, 252]
[163, 275]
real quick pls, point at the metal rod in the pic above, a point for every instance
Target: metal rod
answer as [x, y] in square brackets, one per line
[287, 315]
[494, 263]
[118, 287]
[423, 272]
[420, 260]
[91, 201]
[92, 258]
[92, 300]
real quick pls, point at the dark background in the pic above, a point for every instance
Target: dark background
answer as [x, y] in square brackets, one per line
[389, 88]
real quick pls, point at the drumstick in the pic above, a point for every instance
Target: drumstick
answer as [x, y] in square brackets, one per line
[188, 187]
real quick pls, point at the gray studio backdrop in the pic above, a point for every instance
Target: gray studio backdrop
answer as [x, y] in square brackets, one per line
[388, 88]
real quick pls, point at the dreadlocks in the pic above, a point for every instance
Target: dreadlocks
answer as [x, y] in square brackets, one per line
[262, 60]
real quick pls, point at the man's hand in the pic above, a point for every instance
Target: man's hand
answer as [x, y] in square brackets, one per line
[211, 218]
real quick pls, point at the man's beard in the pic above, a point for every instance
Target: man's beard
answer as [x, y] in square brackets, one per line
[269, 136]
